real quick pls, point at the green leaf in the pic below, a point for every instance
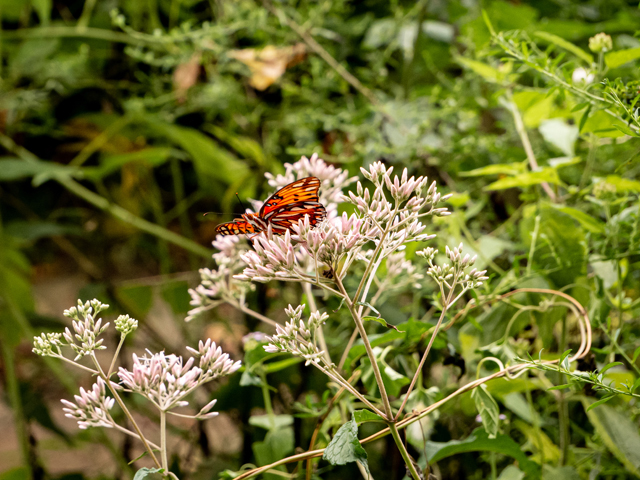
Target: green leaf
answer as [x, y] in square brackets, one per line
[209, 158]
[610, 365]
[626, 130]
[18, 473]
[599, 402]
[497, 169]
[636, 354]
[271, 422]
[153, 157]
[511, 473]
[246, 146]
[392, 380]
[361, 416]
[546, 174]
[559, 387]
[620, 57]
[381, 321]
[562, 43]
[345, 447]
[149, 474]
[623, 184]
[34, 230]
[560, 134]
[277, 444]
[487, 408]
[589, 222]
[619, 433]
[485, 71]
[479, 441]
[12, 169]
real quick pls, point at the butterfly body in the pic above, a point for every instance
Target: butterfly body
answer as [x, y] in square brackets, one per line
[281, 211]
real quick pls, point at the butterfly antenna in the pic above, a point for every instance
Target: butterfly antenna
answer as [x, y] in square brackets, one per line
[241, 204]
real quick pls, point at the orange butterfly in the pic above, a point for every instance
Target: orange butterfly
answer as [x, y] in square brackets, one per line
[282, 210]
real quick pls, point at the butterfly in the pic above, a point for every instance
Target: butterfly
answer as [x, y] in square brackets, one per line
[282, 210]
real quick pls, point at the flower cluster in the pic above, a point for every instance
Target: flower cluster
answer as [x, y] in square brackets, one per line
[219, 285]
[166, 379]
[91, 408]
[86, 328]
[126, 325]
[296, 337]
[453, 274]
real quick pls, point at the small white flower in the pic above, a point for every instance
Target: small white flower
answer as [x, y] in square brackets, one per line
[582, 75]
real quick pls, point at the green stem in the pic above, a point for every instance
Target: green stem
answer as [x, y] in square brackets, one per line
[163, 440]
[306, 287]
[125, 410]
[115, 356]
[367, 345]
[403, 451]
[13, 390]
[85, 18]
[563, 407]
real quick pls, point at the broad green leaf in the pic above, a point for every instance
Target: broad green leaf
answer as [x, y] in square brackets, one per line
[361, 416]
[619, 433]
[497, 169]
[560, 134]
[623, 184]
[589, 222]
[392, 380]
[176, 294]
[208, 157]
[511, 473]
[620, 57]
[246, 146]
[542, 444]
[562, 43]
[277, 444]
[149, 474]
[557, 473]
[271, 422]
[517, 404]
[485, 71]
[560, 246]
[479, 441]
[487, 408]
[603, 125]
[345, 447]
[547, 174]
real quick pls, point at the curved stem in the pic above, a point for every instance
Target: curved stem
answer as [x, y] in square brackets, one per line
[369, 349]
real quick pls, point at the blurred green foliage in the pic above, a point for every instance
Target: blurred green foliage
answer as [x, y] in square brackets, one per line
[122, 122]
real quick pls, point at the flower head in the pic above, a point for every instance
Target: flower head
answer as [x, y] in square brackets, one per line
[600, 42]
[91, 408]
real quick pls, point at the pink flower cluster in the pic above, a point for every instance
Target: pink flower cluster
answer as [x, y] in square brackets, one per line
[91, 408]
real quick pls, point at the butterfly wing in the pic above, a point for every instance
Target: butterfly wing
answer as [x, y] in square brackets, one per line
[238, 227]
[300, 191]
[283, 217]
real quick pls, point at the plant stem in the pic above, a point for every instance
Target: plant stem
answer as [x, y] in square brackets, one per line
[124, 408]
[13, 391]
[163, 439]
[115, 356]
[428, 349]
[403, 451]
[319, 332]
[369, 349]
[524, 138]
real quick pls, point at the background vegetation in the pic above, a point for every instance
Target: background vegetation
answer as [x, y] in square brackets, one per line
[122, 122]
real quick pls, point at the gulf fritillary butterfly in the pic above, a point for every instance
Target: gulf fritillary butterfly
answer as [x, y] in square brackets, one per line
[281, 210]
